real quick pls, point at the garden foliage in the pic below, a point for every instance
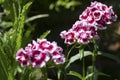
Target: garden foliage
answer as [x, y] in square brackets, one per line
[21, 62]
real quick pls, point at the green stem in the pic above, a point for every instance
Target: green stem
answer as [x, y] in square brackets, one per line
[70, 50]
[62, 74]
[93, 64]
[83, 64]
[94, 58]
[30, 74]
[2, 63]
[44, 73]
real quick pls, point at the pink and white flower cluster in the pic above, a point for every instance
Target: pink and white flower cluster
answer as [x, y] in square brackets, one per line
[98, 14]
[39, 53]
[93, 18]
[81, 32]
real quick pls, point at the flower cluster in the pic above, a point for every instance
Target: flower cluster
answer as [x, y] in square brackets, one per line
[40, 52]
[93, 18]
[98, 14]
[81, 32]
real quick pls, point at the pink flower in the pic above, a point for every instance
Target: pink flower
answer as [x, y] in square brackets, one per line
[62, 34]
[59, 60]
[57, 52]
[83, 37]
[85, 14]
[30, 47]
[22, 57]
[39, 59]
[39, 53]
[78, 26]
[82, 32]
[98, 14]
[44, 45]
[69, 37]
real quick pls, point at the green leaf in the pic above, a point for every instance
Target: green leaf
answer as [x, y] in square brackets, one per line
[5, 24]
[72, 4]
[110, 56]
[86, 53]
[51, 7]
[3, 76]
[59, 74]
[36, 17]
[45, 34]
[89, 75]
[21, 25]
[73, 73]
[3, 64]
[73, 59]
[102, 74]
[1, 1]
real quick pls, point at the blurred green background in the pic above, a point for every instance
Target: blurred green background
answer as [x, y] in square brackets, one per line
[59, 15]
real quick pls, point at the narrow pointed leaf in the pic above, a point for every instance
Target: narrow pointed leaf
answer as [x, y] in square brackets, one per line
[36, 17]
[21, 25]
[110, 56]
[89, 75]
[45, 34]
[73, 73]
[73, 59]
[102, 74]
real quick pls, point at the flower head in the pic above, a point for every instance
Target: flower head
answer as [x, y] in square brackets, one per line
[95, 17]
[39, 53]
[82, 32]
[98, 14]
[22, 57]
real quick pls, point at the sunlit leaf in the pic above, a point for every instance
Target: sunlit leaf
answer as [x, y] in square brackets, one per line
[36, 17]
[81, 52]
[72, 3]
[100, 53]
[1, 1]
[45, 34]
[73, 73]
[88, 53]
[89, 75]
[21, 25]
[51, 6]
[59, 74]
